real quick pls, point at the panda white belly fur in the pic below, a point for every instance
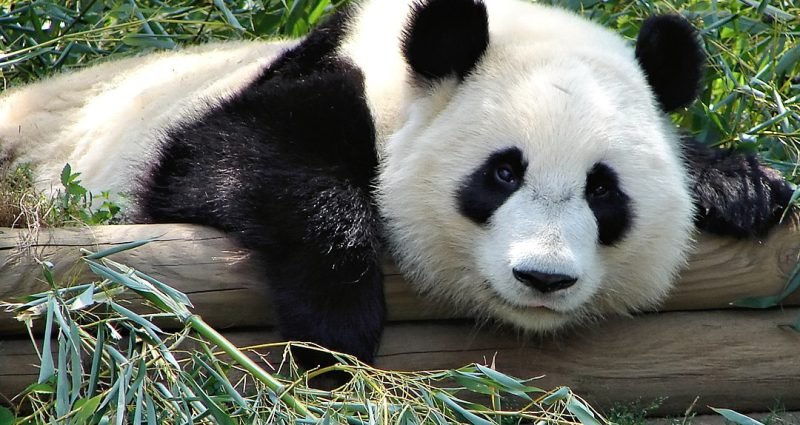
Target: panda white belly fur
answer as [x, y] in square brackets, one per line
[525, 167]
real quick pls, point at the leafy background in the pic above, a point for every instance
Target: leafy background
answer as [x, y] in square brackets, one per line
[750, 100]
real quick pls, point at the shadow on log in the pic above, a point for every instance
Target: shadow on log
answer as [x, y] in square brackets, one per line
[737, 359]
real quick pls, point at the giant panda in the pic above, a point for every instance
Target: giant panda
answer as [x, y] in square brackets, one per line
[515, 159]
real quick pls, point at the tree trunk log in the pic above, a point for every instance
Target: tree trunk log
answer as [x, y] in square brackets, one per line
[738, 359]
[230, 291]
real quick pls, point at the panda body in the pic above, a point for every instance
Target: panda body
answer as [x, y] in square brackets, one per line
[108, 119]
[515, 159]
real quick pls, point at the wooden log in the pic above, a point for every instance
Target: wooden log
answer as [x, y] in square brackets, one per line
[745, 360]
[229, 291]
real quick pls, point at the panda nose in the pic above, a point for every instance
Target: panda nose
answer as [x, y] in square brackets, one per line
[544, 282]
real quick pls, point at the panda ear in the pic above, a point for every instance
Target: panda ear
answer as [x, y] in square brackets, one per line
[670, 54]
[445, 38]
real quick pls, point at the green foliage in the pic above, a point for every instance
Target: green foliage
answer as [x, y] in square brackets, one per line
[779, 416]
[102, 362]
[633, 413]
[74, 203]
[6, 416]
[39, 38]
[21, 204]
[750, 100]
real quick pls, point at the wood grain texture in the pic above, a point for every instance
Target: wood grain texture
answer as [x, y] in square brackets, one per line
[737, 359]
[229, 291]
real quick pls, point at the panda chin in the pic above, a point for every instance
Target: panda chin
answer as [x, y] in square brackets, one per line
[539, 313]
[533, 319]
[529, 304]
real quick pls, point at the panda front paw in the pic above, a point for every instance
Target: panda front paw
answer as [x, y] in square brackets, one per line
[737, 196]
[343, 318]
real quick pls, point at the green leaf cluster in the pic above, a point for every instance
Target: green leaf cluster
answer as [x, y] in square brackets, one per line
[749, 101]
[38, 38]
[74, 203]
[22, 204]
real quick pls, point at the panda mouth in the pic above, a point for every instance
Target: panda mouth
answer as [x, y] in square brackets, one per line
[517, 306]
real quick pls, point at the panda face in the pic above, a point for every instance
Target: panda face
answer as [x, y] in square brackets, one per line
[543, 189]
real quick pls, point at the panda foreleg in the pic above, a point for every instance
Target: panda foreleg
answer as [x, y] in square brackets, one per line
[734, 194]
[318, 239]
[286, 167]
[325, 272]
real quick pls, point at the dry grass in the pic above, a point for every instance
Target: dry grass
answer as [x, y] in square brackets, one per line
[21, 205]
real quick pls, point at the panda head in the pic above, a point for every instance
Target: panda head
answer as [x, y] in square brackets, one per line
[537, 179]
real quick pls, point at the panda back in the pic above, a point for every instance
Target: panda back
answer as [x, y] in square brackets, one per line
[107, 120]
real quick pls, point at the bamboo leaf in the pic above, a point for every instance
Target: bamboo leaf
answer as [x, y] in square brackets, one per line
[47, 367]
[788, 60]
[577, 408]
[76, 364]
[559, 395]
[144, 291]
[736, 417]
[318, 11]
[792, 285]
[122, 390]
[39, 389]
[96, 358]
[139, 320]
[151, 409]
[223, 380]
[509, 384]
[173, 293]
[47, 268]
[473, 383]
[141, 373]
[762, 7]
[758, 302]
[466, 414]
[229, 17]
[137, 411]
[408, 417]
[85, 299]
[148, 40]
[86, 409]
[62, 381]
[213, 408]
[117, 249]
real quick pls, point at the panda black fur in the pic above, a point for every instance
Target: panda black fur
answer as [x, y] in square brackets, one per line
[515, 158]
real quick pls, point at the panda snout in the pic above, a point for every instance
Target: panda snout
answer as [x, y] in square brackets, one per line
[544, 282]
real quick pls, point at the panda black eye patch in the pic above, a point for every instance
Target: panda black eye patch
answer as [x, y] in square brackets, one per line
[609, 204]
[488, 187]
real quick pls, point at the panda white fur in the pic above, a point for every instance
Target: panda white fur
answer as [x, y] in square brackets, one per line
[515, 158]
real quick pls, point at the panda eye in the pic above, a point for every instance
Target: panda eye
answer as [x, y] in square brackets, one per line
[599, 192]
[601, 183]
[505, 174]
